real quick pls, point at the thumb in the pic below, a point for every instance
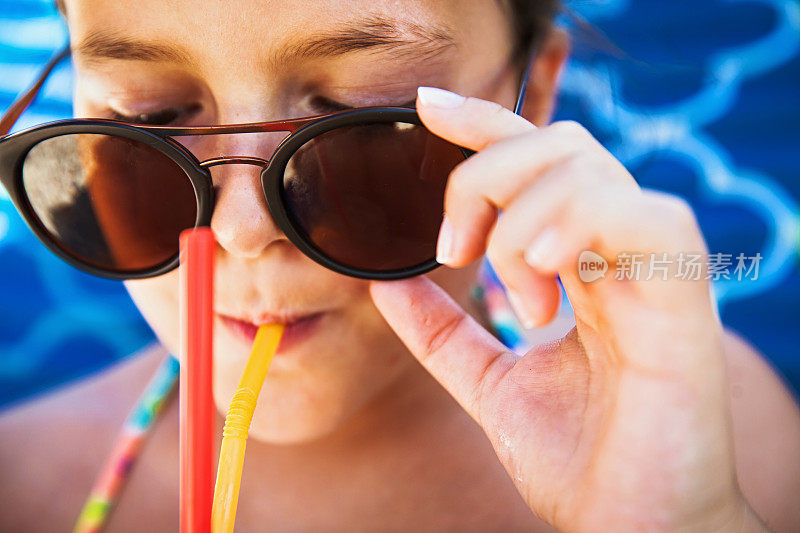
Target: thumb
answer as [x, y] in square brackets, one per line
[465, 358]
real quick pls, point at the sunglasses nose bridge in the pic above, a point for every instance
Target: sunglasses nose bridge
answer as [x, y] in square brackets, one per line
[242, 160]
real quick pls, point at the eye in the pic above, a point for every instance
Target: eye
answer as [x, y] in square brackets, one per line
[326, 105]
[161, 117]
[321, 104]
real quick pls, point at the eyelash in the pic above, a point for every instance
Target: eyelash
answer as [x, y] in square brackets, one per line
[324, 105]
[164, 117]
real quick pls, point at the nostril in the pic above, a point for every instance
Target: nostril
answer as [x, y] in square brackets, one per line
[243, 238]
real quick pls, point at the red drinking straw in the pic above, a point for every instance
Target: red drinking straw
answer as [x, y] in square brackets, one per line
[197, 424]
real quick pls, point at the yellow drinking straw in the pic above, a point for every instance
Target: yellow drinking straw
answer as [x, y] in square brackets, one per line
[237, 424]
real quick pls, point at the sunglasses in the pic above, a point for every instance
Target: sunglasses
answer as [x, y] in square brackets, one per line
[360, 191]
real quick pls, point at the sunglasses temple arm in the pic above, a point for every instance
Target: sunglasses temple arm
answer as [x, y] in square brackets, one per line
[24, 100]
[525, 78]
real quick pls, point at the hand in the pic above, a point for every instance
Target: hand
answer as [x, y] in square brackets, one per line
[624, 423]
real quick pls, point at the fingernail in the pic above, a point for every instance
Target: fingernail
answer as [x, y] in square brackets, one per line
[519, 309]
[542, 251]
[445, 244]
[435, 97]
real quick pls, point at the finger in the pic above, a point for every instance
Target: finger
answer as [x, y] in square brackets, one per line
[566, 211]
[535, 296]
[613, 222]
[491, 179]
[678, 315]
[465, 358]
[616, 223]
[469, 122]
[532, 216]
[503, 169]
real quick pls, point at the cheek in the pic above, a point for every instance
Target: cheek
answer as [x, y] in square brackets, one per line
[157, 300]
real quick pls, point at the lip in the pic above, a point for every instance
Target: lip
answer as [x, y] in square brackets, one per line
[298, 327]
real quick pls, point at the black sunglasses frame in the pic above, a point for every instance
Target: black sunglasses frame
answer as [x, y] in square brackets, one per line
[14, 149]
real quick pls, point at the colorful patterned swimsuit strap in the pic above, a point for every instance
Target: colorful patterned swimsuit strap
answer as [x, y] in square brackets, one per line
[114, 473]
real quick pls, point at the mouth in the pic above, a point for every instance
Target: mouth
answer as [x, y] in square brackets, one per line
[298, 327]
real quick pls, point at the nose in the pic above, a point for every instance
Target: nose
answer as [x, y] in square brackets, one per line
[241, 221]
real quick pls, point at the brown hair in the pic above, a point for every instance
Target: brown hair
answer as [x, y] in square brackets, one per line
[531, 20]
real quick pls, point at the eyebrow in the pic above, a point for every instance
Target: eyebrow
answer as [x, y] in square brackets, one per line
[105, 45]
[403, 38]
[372, 34]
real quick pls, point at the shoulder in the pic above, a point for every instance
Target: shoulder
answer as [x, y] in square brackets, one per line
[52, 446]
[766, 426]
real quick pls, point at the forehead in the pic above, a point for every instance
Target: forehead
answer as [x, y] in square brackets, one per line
[187, 29]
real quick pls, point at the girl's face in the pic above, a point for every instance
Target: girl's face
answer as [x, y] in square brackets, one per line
[196, 62]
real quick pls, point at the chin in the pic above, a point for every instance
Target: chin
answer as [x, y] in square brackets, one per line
[292, 418]
[292, 433]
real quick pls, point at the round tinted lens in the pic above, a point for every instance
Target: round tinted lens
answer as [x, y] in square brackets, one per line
[371, 196]
[111, 202]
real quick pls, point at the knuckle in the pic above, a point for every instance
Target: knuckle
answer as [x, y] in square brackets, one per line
[494, 251]
[500, 247]
[458, 183]
[593, 161]
[581, 169]
[493, 108]
[487, 382]
[458, 174]
[442, 334]
[570, 128]
[679, 209]
[677, 214]
[592, 197]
